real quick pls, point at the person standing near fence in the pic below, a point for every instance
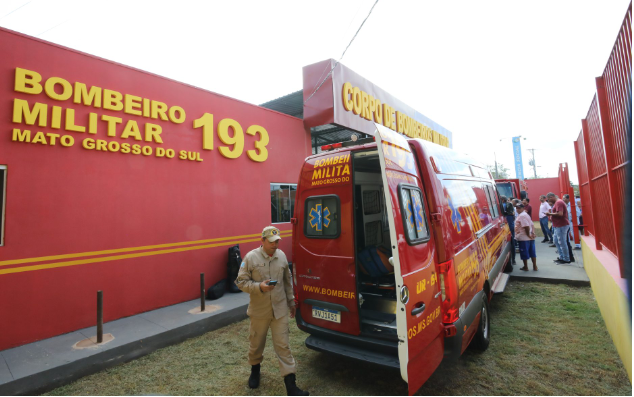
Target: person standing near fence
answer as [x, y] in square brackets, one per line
[571, 236]
[559, 214]
[528, 208]
[509, 214]
[544, 208]
[525, 234]
[579, 214]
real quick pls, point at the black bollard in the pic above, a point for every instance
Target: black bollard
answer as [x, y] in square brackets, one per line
[99, 316]
[202, 292]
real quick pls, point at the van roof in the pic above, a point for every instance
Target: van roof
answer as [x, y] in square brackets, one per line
[446, 161]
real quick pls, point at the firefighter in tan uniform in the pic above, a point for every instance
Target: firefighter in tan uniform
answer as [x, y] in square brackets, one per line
[269, 307]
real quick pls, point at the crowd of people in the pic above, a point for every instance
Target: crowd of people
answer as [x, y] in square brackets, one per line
[552, 209]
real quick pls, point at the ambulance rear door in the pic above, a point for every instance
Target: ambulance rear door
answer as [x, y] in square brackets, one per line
[418, 312]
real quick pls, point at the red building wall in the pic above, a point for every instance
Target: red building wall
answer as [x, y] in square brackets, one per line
[537, 187]
[139, 227]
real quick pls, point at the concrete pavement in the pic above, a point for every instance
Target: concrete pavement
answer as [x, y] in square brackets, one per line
[549, 271]
[41, 366]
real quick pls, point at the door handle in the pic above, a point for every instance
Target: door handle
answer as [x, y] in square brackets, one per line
[418, 308]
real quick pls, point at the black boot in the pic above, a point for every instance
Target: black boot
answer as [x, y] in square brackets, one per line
[291, 387]
[254, 379]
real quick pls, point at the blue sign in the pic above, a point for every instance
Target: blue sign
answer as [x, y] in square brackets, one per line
[517, 153]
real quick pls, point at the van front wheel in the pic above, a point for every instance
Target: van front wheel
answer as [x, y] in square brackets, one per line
[483, 336]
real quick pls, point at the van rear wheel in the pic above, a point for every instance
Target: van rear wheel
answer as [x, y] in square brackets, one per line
[483, 336]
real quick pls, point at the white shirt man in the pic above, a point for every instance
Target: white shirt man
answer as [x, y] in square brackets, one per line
[543, 219]
[544, 208]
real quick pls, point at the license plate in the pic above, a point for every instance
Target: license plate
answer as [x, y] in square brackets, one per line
[327, 314]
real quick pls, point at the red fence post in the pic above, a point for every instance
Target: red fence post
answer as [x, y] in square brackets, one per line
[581, 183]
[573, 213]
[593, 205]
[608, 144]
[564, 180]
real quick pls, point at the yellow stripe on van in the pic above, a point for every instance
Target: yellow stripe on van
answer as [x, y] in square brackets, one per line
[286, 233]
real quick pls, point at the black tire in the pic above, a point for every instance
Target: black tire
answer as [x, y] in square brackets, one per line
[482, 337]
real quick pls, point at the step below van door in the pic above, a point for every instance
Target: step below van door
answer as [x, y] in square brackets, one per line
[418, 313]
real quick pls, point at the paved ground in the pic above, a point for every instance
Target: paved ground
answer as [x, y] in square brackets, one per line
[40, 366]
[549, 271]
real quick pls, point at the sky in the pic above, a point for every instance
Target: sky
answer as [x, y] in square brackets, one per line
[485, 70]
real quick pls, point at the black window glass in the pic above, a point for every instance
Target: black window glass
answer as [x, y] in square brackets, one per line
[413, 212]
[282, 202]
[322, 217]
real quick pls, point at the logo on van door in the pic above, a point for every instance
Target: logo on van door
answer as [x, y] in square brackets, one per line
[456, 218]
[319, 218]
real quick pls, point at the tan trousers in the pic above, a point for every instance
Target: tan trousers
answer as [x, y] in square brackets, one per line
[279, 330]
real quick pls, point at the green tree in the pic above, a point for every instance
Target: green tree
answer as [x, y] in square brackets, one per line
[502, 171]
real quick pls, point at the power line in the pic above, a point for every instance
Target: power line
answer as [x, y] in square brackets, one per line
[533, 162]
[344, 53]
[59, 24]
[6, 15]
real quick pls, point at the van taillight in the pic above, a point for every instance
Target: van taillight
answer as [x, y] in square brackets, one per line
[448, 291]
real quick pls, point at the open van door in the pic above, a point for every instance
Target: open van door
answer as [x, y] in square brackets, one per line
[418, 310]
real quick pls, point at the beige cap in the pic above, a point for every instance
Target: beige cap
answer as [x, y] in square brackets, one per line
[271, 233]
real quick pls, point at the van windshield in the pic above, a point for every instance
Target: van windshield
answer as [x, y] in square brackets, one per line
[505, 189]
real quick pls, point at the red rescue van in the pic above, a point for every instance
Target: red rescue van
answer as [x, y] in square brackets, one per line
[511, 188]
[398, 248]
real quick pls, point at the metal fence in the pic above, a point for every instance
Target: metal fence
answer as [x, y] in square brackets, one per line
[602, 149]
[566, 188]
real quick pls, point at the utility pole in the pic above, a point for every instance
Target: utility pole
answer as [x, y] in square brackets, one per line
[497, 176]
[532, 162]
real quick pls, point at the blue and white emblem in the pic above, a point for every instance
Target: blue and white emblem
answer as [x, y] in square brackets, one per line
[319, 218]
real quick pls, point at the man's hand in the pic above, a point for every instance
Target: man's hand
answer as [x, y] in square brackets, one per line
[292, 309]
[265, 287]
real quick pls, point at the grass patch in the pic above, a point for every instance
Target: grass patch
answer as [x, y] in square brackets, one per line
[546, 340]
[538, 229]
